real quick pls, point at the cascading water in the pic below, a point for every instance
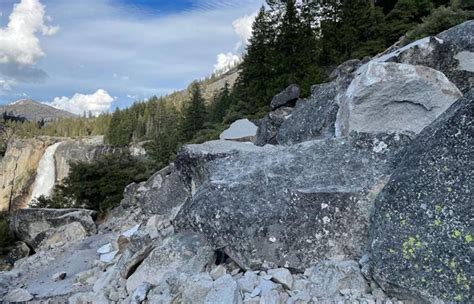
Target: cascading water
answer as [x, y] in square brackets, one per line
[45, 174]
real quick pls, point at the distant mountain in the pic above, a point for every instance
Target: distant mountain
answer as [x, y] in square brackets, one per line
[27, 109]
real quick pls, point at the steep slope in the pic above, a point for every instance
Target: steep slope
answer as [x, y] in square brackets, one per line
[30, 110]
[209, 87]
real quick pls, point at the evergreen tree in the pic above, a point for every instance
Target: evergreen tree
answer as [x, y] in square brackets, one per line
[195, 113]
[253, 88]
[220, 105]
[405, 16]
[361, 30]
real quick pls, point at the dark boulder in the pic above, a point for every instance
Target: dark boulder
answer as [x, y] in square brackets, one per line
[288, 206]
[270, 124]
[287, 96]
[422, 232]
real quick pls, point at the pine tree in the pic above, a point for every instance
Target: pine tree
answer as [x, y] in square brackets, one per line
[195, 113]
[405, 16]
[220, 105]
[253, 88]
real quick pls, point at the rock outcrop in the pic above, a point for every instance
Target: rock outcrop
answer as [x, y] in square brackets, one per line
[422, 231]
[294, 206]
[69, 150]
[43, 228]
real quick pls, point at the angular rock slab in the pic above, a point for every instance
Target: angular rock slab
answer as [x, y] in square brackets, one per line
[36, 226]
[240, 130]
[393, 97]
[288, 206]
[178, 255]
[422, 226]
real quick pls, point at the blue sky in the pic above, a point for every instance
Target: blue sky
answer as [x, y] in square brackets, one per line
[96, 53]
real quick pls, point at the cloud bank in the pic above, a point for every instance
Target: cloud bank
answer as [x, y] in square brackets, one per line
[96, 103]
[18, 41]
[20, 47]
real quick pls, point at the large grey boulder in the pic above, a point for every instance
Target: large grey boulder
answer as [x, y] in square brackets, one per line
[422, 228]
[164, 193]
[183, 254]
[393, 97]
[287, 206]
[451, 52]
[240, 130]
[287, 96]
[39, 227]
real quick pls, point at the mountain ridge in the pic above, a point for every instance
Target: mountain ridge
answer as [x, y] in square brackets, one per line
[31, 110]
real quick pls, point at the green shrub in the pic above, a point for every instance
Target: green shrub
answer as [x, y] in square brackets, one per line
[98, 185]
[441, 18]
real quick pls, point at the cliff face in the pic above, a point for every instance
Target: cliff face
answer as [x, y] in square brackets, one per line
[17, 170]
[77, 150]
[19, 166]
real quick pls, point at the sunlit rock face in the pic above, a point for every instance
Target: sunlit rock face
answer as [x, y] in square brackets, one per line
[17, 170]
[394, 97]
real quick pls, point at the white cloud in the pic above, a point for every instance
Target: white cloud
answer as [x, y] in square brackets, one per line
[243, 29]
[96, 103]
[18, 40]
[226, 61]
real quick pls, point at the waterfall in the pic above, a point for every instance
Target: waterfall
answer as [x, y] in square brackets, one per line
[45, 174]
